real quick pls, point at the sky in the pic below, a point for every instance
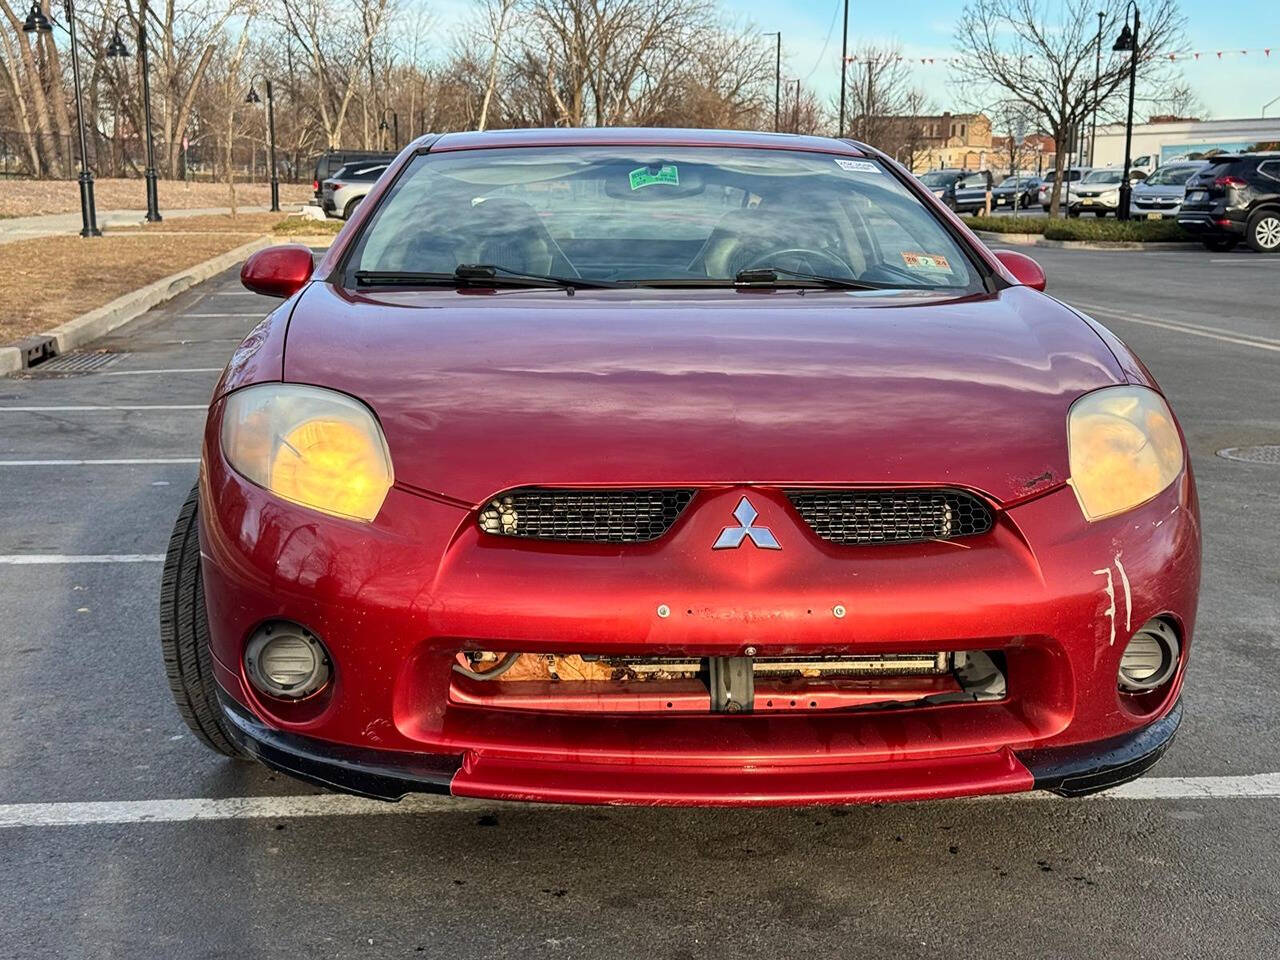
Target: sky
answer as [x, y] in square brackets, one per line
[1235, 86]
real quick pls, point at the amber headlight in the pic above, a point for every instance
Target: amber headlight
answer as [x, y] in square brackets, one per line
[1124, 449]
[314, 447]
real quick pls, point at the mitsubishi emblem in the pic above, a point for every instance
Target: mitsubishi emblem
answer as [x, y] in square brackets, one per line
[731, 537]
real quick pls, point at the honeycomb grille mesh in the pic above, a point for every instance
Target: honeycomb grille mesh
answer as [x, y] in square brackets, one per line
[891, 516]
[585, 516]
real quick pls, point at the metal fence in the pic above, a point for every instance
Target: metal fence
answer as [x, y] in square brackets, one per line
[203, 158]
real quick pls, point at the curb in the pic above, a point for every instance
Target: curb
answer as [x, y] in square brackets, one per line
[102, 320]
[1037, 240]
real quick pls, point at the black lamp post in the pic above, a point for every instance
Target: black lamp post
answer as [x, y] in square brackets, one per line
[1097, 77]
[37, 22]
[777, 83]
[1128, 40]
[252, 97]
[117, 50]
[394, 128]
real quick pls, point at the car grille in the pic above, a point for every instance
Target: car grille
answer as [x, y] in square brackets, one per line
[584, 516]
[891, 516]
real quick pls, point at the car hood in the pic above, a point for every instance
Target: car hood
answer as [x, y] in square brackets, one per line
[479, 392]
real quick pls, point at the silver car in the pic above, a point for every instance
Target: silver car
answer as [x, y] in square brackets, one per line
[342, 193]
[1160, 195]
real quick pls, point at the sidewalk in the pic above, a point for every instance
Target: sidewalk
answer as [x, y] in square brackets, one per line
[54, 224]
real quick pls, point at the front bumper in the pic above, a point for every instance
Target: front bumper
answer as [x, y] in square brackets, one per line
[382, 775]
[395, 600]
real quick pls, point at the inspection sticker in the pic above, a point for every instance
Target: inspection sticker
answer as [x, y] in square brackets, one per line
[857, 166]
[647, 176]
[925, 261]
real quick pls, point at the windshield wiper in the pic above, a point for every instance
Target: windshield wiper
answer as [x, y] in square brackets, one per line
[781, 276]
[480, 274]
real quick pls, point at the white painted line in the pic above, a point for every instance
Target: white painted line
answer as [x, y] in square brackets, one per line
[139, 373]
[97, 463]
[1190, 325]
[1195, 330]
[123, 406]
[243, 316]
[74, 814]
[43, 559]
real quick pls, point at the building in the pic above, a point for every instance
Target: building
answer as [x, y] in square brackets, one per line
[952, 140]
[1034, 155]
[1179, 139]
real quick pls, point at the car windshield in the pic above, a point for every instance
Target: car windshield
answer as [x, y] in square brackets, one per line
[939, 178]
[1171, 176]
[1015, 181]
[1102, 176]
[637, 215]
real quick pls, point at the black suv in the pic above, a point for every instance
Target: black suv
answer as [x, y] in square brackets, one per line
[1236, 197]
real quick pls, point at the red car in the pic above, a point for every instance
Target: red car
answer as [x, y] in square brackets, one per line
[649, 466]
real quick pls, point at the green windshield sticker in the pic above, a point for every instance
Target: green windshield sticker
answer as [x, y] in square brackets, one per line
[647, 176]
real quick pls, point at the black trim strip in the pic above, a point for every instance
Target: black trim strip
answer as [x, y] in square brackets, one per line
[1092, 767]
[377, 774]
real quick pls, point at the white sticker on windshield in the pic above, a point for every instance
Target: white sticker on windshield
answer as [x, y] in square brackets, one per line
[857, 166]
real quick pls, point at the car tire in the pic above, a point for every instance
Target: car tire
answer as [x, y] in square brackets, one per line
[350, 208]
[1263, 231]
[184, 634]
[1220, 244]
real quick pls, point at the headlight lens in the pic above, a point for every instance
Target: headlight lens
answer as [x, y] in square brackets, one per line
[315, 447]
[1123, 447]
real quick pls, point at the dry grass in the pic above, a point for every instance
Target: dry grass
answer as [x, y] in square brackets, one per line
[29, 198]
[252, 224]
[50, 280]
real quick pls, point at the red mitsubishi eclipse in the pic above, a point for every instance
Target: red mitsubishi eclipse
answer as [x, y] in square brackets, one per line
[662, 467]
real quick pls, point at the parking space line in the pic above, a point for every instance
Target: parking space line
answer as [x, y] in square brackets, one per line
[133, 461]
[243, 316]
[139, 373]
[81, 408]
[50, 559]
[1195, 330]
[76, 814]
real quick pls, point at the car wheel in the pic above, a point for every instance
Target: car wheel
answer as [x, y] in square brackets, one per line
[184, 634]
[350, 208]
[1220, 244]
[1263, 231]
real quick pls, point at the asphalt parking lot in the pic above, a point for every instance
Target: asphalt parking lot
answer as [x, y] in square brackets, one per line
[121, 836]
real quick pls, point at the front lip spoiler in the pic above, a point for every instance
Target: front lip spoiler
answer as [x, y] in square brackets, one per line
[1078, 771]
[377, 774]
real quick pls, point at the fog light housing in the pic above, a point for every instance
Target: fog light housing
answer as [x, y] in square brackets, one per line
[285, 660]
[1150, 658]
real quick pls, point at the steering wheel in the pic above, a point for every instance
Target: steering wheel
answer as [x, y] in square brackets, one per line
[804, 260]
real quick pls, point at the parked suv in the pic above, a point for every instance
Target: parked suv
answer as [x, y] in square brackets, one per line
[1098, 192]
[964, 191]
[1236, 197]
[1070, 176]
[327, 164]
[342, 193]
[1160, 195]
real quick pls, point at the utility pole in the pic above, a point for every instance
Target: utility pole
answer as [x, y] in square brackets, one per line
[777, 83]
[795, 115]
[844, 63]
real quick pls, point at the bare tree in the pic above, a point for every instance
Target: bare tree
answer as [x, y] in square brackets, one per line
[1041, 53]
[883, 106]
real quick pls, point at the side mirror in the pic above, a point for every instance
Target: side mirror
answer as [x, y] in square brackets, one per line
[1025, 270]
[278, 271]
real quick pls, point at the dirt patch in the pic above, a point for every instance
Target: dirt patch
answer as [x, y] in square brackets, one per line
[253, 224]
[29, 198]
[51, 280]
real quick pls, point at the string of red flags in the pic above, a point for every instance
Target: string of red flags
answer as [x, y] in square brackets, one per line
[1262, 52]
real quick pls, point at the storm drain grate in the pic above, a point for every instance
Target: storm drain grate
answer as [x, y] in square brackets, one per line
[69, 363]
[1262, 453]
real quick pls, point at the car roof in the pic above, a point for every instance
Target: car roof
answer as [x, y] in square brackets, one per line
[637, 136]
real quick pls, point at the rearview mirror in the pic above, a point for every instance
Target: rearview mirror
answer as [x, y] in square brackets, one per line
[1025, 270]
[279, 271]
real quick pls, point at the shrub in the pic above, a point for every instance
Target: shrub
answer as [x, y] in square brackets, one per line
[1018, 224]
[1094, 229]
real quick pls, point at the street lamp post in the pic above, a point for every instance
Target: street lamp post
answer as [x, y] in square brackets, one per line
[394, 128]
[1128, 40]
[117, 49]
[1097, 79]
[37, 22]
[777, 83]
[252, 97]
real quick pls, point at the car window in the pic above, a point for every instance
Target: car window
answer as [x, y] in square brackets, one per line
[1270, 168]
[939, 178]
[1103, 176]
[973, 181]
[1172, 175]
[637, 214]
